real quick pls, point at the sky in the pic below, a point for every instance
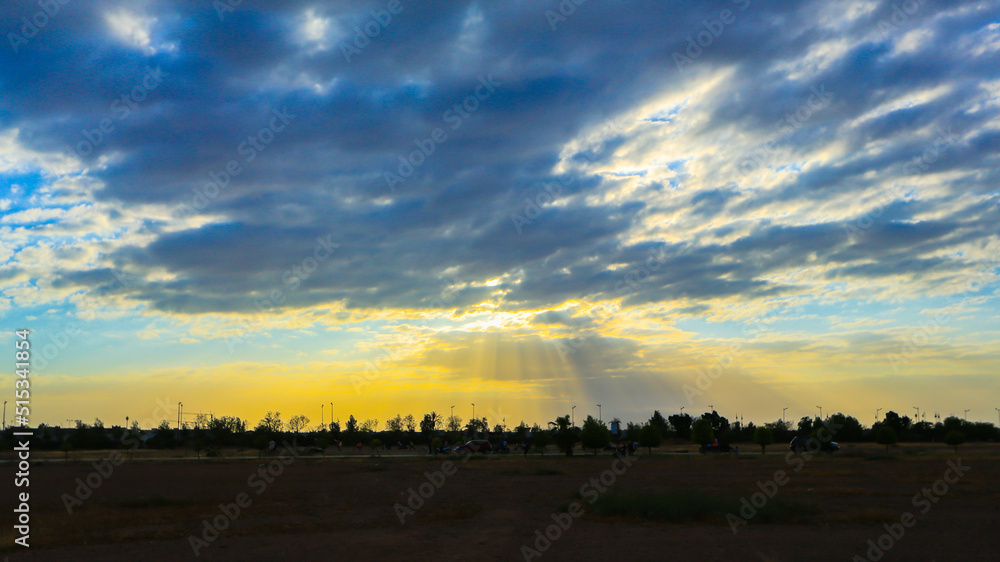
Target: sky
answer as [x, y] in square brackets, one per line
[371, 208]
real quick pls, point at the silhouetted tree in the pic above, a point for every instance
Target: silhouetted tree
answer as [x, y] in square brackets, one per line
[650, 436]
[297, 423]
[682, 425]
[954, 438]
[271, 423]
[477, 426]
[429, 425]
[657, 420]
[595, 435]
[564, 435]
[848, 427]
[394, 424]
[702, 432]
[805, 426]
[886, 436]
[540, 439]
[763, 436]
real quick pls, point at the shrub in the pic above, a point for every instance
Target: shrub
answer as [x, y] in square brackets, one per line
[886, 436]
[954, 438]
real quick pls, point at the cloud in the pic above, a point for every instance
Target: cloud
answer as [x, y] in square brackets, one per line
[809, 153]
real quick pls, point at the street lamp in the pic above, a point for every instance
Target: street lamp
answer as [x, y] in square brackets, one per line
[572, 417]
[682, 410]
[711, 407]
[877, 410]
[179, 409]
[321, 406]
[599, 417]
[473, 410]
[452, 413]
[997, 409]
[917, 415]
[5, 415]
[331, 412]
[820, 412]
[966, 416]
[783, 414]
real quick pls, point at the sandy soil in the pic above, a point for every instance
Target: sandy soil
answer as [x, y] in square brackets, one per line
[489, 508]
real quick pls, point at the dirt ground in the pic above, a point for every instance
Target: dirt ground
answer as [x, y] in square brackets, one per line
[489, 508]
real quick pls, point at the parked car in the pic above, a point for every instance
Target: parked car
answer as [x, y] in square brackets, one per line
[801, 444]
[475, 446]
[714, 447]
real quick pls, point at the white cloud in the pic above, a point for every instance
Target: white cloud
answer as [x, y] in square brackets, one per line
[132, 29]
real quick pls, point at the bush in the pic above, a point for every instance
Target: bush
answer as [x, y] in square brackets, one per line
[763, 436]
[702, 432]
[886, 436]
[954, 438]
[595, 434]
[650, 436]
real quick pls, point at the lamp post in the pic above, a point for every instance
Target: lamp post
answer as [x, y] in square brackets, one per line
[473, 410]
[5, 415]
[452, 413]
[599, 417]
[877, 410]
[966, 415]
[711, 407]
[682, 410]
[179, 406]
[572, 417]
[331, 412]
[783, 415]
[917, 415]
[997, 409]
[820, 412]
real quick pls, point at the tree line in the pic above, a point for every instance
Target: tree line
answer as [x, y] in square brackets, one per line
[434, 431]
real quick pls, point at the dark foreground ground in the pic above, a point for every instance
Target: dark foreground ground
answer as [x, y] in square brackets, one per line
[489, 508]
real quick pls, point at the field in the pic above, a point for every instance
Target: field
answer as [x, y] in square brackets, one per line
[664, 506]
